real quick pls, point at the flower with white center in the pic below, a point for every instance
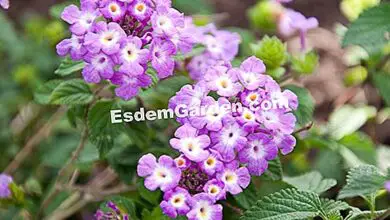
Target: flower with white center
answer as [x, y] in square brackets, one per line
[234, 177]
[203, 208]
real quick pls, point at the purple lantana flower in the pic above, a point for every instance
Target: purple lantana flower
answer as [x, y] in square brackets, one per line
[234, 177]
[251, 73]
[216, 189]
[203, 208]
[113, 213]
[229, 140]
[5, 181]
[166, 21]
[214, 113]
[4, 4]
[199, 65]
[141, 9]
[222, 44]
[162, 60]
[182, 162]
[212, 163]
[285, 142]
[176, 201]
[81, 21]
[259, 151]
[223, 80]
[162, 174]
[275, 119]
[132, 57]
[106, 38]
[113, 9]
[73, 46]
[192, 145]
[97, 67]
[129, 84]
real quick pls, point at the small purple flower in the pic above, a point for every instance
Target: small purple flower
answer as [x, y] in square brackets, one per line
[132, 57]
[166, 21]
[141, 9]
[234, 177]
[214, 113]
[114, 212]
[97, 67]
[223, 80]
[182, 162]
[73, 46]
[251, 98]
[5, 181]
[113, 9]
[189, 95]
[190, 143]
[387, 186]
[247, 119]
[251, 73]
[222, 44]
[162, 60]
[129, 84]
[285, 142]
[212, 164]
[260, 150]
[277, 120]
[176, 202]
[291, 22]
[203, 208]
[229, 140]
[163, 174]
[82, 20]
[215, 189]
[106, 38]
[166, 3]
[4, 4]
[199, 65]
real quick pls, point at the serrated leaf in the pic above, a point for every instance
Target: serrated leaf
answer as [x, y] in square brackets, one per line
[312, 182]
[124, 161]
[369, 30]
[72, 92]
[305, 110]
[362, 181]
[274, 171]
[69, 66]
[330, 206]
[101, 131]
[288, 204]
[348, 119]
[382, 83]
[43, 93]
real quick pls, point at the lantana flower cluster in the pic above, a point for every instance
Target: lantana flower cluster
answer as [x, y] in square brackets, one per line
[119, 39]
[5, 191]
[221, 149]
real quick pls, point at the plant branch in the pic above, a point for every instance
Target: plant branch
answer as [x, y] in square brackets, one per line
[305, 128]
[384, 215]
[29, 147]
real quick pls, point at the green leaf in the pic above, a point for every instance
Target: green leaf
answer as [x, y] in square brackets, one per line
[101, 131]
[348, 119]
[357, 214]
[369, 30]
[361, 145]
[274, 171]
[43, 93]
[152, 197]
[248, 197]
[139, 133]
[305, 63]
[124, 204]
[305, 110]
[69, 66]
[72, 92]
[312, 182]
[330, 206]
[154, 215]
[124, 161]
[288, 204]
[362, 181]
[382, 83]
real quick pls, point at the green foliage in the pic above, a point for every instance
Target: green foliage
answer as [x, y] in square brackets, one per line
[274, 171]
[153, 197]
[305, 110]
[312, 182]
[124, 161]
[369, 30]
[305, 64]
[272, 51]
[382, 82]
[71, 92]
[291, 204]
[43, 93]
[357, 214]
[124, 204]
[263, 15]
[363, 181]
[355, 76]
[68, 66]
[248, 197]
[348, 119]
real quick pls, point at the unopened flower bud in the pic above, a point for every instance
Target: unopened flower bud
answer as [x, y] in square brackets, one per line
[272, 51]
[305, 64]
[264, 15]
